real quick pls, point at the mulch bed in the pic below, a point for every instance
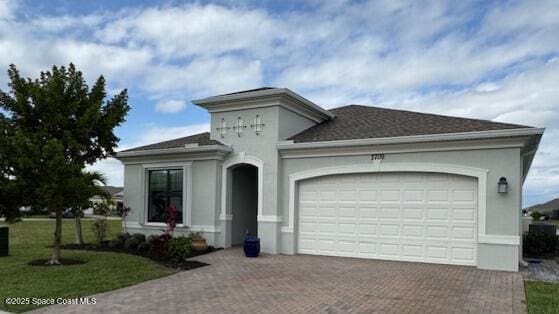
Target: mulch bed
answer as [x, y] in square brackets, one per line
[63, 262]
[170, 263]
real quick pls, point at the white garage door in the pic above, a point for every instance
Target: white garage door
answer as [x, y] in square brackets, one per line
[423, 217]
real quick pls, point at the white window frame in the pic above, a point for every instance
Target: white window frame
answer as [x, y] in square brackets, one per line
[186, 192]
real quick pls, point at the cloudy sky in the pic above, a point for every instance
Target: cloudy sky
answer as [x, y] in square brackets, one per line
[479, 59]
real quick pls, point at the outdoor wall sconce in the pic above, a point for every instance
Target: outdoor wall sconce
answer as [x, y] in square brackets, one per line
[503, 185]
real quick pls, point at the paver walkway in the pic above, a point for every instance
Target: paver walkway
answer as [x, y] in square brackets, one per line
[302, 283]
[546, 270]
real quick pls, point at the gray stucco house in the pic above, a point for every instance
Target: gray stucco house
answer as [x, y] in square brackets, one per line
[353, 181]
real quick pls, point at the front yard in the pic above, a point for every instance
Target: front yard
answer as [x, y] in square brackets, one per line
[542, 297]
[103, 270]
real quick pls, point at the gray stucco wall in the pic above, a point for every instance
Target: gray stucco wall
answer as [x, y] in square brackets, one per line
[205, 192]
[503, 210]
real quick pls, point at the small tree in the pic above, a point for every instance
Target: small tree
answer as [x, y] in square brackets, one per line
[123, 213]
[85, 187]
[55, 126]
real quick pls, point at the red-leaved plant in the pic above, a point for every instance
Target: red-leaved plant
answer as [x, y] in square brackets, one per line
[171, 219]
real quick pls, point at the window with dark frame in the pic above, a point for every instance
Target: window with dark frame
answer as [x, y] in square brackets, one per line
[165, 189]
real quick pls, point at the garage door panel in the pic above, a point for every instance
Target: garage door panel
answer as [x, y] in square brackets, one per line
[398, 216]
[390, 213]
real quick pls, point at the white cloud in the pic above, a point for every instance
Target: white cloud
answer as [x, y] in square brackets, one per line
[156, 133]
[112, 169]
[170, 106]
[451, 58]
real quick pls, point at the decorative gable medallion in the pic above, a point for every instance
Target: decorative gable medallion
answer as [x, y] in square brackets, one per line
[257, 125]
[239, 126]
[223, 128]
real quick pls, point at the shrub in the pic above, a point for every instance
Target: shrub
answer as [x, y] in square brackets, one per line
[140, 237]
[123, 236]
[131, 243]
[115, 243]
[144, 247]
[180, 248]
[100, 227]
[159, 244]
[536, 244]
[536, 215]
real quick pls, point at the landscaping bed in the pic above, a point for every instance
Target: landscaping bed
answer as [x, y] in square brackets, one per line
[167, 262]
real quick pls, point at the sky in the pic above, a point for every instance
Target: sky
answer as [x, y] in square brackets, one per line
[496, 60]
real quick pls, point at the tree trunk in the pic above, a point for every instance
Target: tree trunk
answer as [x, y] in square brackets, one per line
[55, 259]
[79, 235]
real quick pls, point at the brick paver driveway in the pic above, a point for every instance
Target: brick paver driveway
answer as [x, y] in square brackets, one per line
[279, 283]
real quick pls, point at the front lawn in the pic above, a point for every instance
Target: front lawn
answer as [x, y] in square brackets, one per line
[103, 270]
[542, 297]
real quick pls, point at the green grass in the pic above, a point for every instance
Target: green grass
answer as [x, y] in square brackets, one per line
[542, 297]
[103, 271]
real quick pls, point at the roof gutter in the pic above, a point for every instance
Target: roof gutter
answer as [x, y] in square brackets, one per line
[289, 145]
[178, 150]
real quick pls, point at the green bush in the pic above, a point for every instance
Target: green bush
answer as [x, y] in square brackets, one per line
[537, 244]
[131, 243]
[180, 248]
[140, 237]
[536, 215]
[122, 236]
[116, 243]
[100, 228]
[144, 247]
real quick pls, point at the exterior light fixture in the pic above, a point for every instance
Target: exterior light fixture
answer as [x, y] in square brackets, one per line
[503, 185]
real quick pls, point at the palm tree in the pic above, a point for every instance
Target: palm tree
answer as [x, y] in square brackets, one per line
[89, 184]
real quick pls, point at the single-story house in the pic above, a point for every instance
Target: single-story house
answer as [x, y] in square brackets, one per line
[353, 181]
[117, 199]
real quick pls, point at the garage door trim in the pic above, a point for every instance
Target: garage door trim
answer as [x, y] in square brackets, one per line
[479, 173]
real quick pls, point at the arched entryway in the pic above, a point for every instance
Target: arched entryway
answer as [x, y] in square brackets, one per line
[243, 201]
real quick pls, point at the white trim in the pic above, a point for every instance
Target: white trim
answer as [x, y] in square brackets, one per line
[176, 150]
[402, 148]
[414, 138]
[186, 193]
[269, 218]
[250, 100]
[498, 239]
[480, 174]
[224, 217]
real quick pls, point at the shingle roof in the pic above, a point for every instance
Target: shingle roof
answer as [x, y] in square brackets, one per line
[248, 91]
[112, 189]
[202, 139]
[360, 122]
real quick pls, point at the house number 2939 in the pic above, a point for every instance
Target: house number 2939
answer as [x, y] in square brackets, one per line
[377, 156]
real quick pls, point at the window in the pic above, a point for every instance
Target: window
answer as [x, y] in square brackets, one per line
[165, 189]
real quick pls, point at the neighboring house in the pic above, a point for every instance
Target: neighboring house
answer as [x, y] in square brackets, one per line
[117, 199]
[352, 181]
